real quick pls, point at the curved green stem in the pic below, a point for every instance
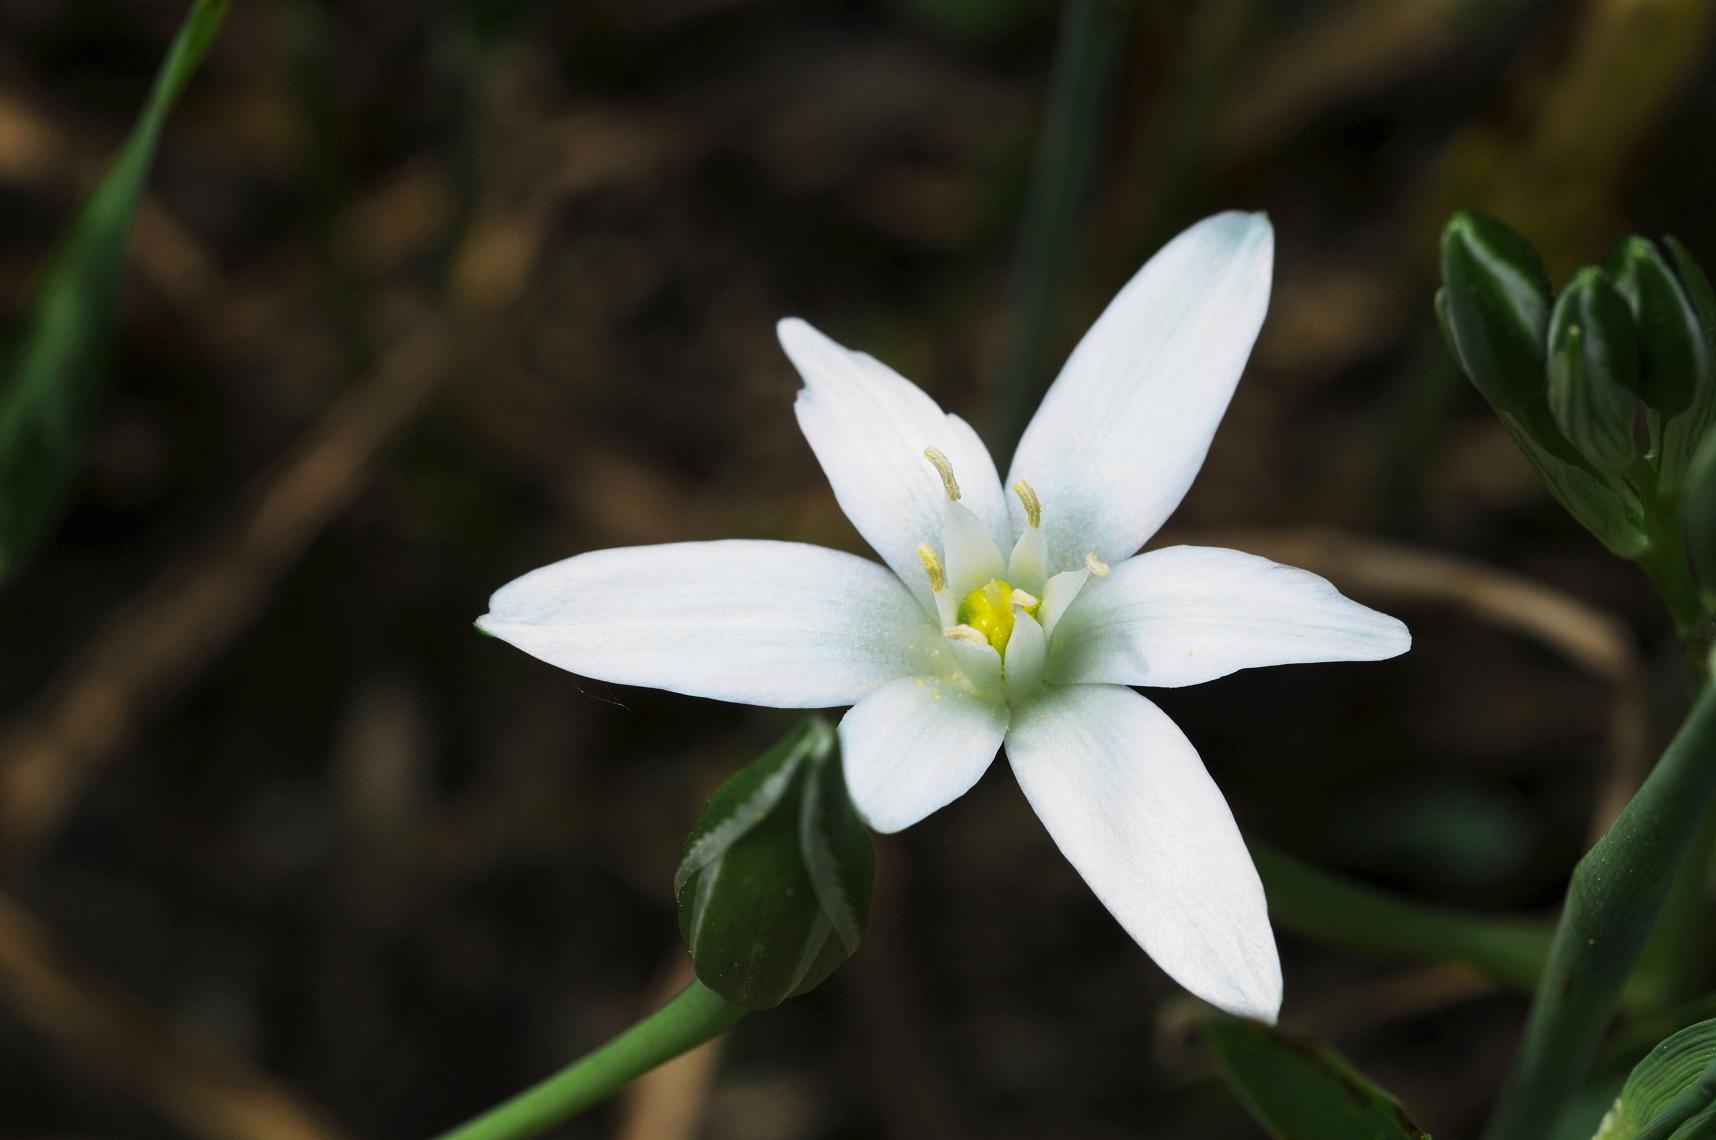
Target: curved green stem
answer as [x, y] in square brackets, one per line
[1616, 893]
[696, 1015]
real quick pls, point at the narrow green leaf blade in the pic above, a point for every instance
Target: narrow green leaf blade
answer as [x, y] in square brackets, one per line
[1299, 1088]
[50, 379]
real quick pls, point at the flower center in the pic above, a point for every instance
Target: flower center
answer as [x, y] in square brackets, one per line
[989, 610]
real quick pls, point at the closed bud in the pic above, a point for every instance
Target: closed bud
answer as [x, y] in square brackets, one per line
[1496, 310]
[1675, 354]
[1682, 435]
[774, 886]
[1594, 370]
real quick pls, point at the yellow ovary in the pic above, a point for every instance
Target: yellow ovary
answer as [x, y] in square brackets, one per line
[989, 610]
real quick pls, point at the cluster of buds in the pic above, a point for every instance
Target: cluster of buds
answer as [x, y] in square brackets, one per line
[1609, 387]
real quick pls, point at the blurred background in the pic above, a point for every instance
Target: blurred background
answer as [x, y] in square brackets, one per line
[424, 296]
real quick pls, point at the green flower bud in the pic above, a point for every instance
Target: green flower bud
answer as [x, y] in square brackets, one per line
[1682, 434]
[774, 886]
[1594, 370]
[1495, 310]
[1675, 351]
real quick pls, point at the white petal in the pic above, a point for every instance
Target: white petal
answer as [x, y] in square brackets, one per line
[1121, 434]
[970, 554]
[1130, 805]
[915, 745]
[1027, 566]
[1059, 594]
[971, 661]
[1026, 649]
[1183, 615]
[869, 427]
[763, 623]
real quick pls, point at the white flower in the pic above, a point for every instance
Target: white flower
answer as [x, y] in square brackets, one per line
[1015, 620]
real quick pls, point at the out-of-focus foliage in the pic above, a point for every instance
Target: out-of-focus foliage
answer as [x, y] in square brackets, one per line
[50, 376]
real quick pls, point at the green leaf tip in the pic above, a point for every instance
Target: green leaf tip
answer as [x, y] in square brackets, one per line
[1299, 1088]
[50, 379]
[774, 886]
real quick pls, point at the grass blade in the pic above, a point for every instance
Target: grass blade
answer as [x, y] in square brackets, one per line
[50, 378]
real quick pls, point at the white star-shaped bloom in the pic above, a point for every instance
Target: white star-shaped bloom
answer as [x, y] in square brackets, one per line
[1016, 621]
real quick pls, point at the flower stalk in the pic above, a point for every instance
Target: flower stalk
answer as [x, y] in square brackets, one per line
[1617, 891]
[697, 1014]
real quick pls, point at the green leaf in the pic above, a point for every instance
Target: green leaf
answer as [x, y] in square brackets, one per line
[774, 886]
[1671, 1094]
[1335, 911]
[1594, 370]
[1682, 435]
[1299, 1088]
[50, 378]
[1676, 355]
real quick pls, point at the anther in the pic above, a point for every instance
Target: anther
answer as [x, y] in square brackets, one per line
[932, 564]
[1096, 565]
[966, 634]
[945, 470]
[1033, 505]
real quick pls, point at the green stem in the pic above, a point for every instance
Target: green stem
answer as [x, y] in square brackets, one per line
[1613, 900]
[1087, 64]
[1665, 562]
[696, 1015]
[1664, 558]
[1675, 964]
[1329, 909]
[1674, 958]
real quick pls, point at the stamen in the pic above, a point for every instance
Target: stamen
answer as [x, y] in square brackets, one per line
[1025, 601]
[932, 565]
[945, 470]
[1096, 565]
[966, 634]
[1033, 505]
